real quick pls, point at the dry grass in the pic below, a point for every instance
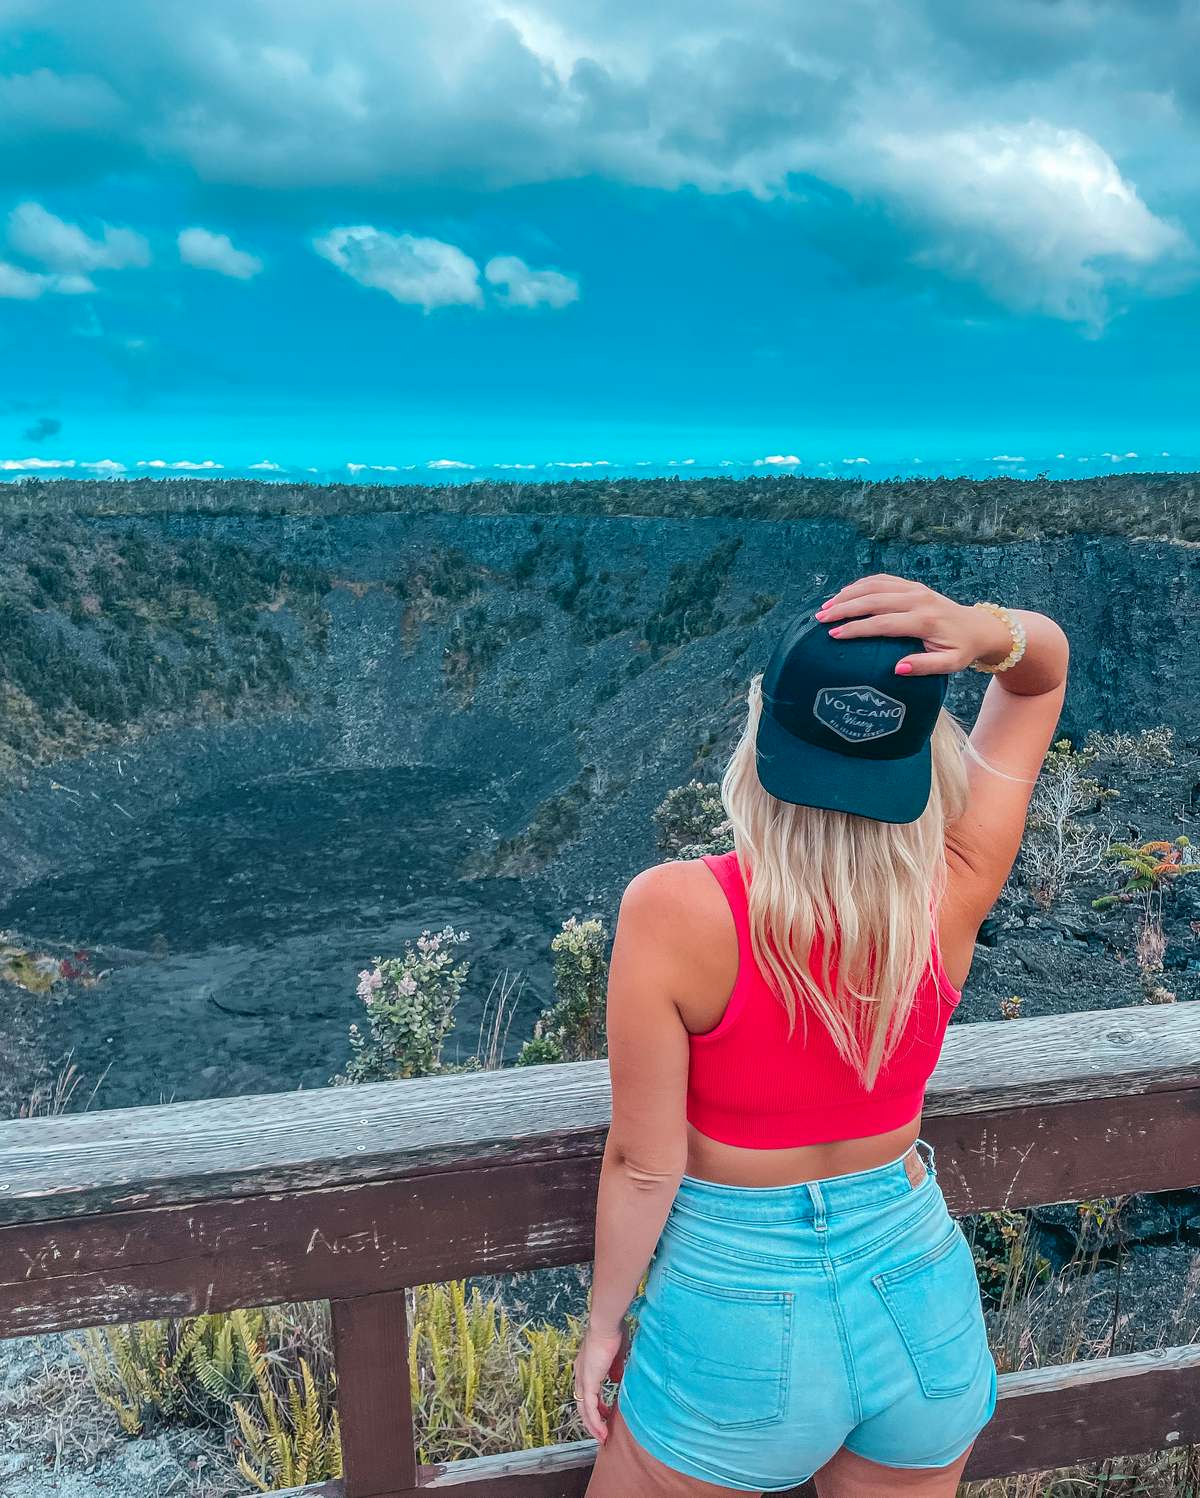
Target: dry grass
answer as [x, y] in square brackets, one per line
[56, 1412]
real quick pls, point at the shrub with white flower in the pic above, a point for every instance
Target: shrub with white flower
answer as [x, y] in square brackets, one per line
[410, 1002]
[572, 1029]
[692, 821]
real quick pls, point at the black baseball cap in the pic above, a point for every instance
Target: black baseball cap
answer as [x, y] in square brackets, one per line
[840, 730]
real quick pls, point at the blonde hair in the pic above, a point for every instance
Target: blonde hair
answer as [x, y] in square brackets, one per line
[869, 891]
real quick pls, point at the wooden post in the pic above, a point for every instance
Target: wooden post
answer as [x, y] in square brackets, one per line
[374, 1397]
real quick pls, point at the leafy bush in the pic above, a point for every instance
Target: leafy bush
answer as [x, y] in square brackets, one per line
[691, 821]
[1007, 1262]
[1148, 873]
[410, 1002]
[572, 1029]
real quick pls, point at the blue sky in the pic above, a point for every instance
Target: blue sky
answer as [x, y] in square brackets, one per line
[292, 233]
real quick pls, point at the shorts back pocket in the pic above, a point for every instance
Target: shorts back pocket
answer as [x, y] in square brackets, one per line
[726, 1351]
[934, 1301]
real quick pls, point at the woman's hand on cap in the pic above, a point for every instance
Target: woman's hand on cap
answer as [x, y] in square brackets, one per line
[953, 634]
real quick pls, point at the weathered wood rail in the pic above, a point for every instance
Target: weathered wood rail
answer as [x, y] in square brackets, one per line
[354, 1194]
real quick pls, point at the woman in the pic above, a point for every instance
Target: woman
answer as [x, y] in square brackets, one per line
[773, 1016]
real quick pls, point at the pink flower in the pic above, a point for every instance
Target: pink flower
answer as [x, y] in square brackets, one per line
[368, 981]
[407, 985]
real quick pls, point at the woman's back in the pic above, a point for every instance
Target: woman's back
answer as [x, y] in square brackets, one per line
[756, 1082]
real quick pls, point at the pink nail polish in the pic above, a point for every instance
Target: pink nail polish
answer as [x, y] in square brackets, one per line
[835, 632]
[820, 614]
[904, 668]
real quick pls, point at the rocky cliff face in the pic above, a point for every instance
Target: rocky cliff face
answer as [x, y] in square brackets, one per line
[601, 661]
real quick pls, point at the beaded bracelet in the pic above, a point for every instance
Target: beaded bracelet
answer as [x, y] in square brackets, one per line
[1015, 628]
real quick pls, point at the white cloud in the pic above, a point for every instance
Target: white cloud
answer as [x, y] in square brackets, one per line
[777, 460]
[36, 234]
[209, 251]
[29, 463]
[105, 465]
[425, 273]
[680, 462]
[447, 463]
[514, 465]
[17, 284]
[856, 460]
[1006, 458]
[981, 127]
[1041, 216]
[184, 464]
[21, 285]
[525, 287]
[267, 466]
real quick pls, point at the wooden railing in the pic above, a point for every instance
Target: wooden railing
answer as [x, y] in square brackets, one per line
[355, 1193]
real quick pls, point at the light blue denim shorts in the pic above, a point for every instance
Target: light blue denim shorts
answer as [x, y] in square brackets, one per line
[779, 1324]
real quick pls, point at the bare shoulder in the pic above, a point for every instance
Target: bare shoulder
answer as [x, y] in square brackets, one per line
[675, 924]
[666, 881]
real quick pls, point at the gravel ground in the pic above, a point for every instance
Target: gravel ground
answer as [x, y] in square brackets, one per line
[58, 1441]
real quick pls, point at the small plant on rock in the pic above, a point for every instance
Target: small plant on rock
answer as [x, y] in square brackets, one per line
[1149, 871]
[1151, 746]
[1147, 868]
[1058, 847]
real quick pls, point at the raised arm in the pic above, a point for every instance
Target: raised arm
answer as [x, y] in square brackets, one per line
[1012, 732]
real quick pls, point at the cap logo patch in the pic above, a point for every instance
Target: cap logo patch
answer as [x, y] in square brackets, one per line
[858, 713]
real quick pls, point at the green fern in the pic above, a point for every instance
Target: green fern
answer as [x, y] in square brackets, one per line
[291, 1440]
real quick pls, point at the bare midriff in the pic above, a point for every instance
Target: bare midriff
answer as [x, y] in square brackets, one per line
[734, 1165]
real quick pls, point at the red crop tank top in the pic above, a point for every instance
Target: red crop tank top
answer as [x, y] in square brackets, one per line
[751, 1084]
